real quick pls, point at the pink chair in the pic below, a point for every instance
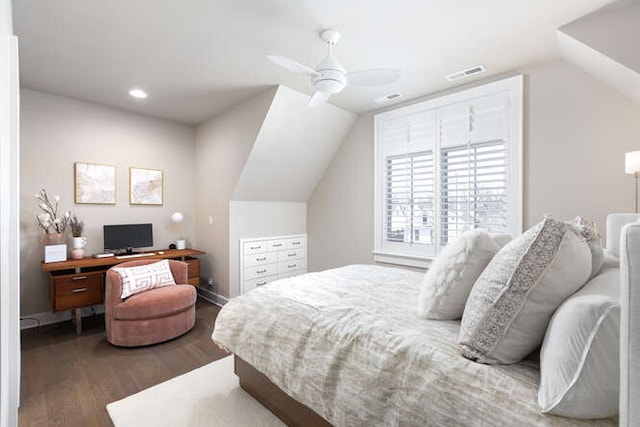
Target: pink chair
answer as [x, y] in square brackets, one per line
[151, 316]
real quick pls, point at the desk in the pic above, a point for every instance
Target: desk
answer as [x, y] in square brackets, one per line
[78, 283]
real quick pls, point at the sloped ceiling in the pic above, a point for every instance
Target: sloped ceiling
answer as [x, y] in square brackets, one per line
[292, 149]
[605, 44]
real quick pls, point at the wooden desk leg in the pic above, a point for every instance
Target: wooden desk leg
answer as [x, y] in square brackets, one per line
[78, 321]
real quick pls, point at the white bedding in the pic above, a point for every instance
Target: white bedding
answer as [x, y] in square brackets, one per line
[349, 344]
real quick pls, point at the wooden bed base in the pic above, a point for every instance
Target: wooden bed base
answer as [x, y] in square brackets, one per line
[283, 406]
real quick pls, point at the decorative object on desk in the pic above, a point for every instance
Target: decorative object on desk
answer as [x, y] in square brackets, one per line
[172, 246]
[79, 242]
[632, 166]
[178, 218]
[95, 184]
[53, 225]
[145, 186]
[55, 253]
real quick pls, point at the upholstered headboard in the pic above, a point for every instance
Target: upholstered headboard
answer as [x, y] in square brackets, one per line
[623, 240]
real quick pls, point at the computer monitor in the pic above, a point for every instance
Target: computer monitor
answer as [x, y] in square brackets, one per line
[127, 237]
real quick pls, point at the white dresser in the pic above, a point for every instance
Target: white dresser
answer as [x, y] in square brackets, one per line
[267, 259]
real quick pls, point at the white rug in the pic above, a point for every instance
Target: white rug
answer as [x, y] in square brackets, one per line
[207, 396]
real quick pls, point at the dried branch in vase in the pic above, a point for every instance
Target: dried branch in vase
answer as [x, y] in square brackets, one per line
[48, 219]
[77, 226]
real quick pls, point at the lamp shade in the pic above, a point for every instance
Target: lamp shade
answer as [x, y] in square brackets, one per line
[632, 162]
[178, 217]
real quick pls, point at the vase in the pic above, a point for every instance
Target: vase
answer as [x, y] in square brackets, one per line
[54, 239]
[79, 242]
[77, 253]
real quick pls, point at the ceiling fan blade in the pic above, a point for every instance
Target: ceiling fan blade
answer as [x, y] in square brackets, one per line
[318, 98]
[292, 65]
[373, 77]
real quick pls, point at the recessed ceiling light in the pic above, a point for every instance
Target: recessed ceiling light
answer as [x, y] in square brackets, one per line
[138, 93]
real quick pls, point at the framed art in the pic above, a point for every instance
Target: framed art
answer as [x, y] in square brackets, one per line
[95, 183]
[145, 186]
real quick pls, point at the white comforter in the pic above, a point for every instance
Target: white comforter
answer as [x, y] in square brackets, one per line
[349, 344]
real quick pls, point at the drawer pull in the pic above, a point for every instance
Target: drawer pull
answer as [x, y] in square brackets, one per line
[75, 291]
[261, 271]
[264, 258]
[292, 265]
[295, 243]
[277, 245]
[79, 278]
[254, 247]
[261, 283]
[293, 254]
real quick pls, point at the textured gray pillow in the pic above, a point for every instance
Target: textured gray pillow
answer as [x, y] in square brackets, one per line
[513, 299]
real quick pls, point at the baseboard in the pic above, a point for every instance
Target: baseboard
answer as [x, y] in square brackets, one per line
[47, 318]
[208, 294]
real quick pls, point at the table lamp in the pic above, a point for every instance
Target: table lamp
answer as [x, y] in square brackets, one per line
[632, 165]
[178, 218]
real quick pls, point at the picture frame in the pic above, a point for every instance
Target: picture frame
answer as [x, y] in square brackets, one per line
[146, 186]
[94, 183]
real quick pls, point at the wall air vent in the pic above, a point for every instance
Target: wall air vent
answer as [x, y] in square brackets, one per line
[387, 98]
[466, 73]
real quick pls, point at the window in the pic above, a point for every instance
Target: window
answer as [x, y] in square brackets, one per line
[445, 166]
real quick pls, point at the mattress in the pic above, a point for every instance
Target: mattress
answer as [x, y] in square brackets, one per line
[349, 344]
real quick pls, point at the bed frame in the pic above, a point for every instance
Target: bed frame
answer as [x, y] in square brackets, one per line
[283, 406]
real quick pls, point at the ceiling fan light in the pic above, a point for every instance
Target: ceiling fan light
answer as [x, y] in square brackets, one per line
[329, 86]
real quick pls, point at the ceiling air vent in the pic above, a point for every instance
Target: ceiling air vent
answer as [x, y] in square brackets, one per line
[387, 98]
[466, 73]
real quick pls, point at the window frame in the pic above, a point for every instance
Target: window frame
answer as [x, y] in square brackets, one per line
[415, 255]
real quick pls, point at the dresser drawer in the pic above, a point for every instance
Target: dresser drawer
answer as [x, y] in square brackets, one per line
[276, 245]
[259, 259]
[254, 247]
[295, 265]
[296, 243]
[248, 285]
[259, 271]
[291, 255]
[76, 290]
[193, 270]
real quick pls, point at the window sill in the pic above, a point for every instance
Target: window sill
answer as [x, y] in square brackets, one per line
[400, 259]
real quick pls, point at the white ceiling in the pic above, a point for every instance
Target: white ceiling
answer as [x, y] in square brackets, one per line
[197, 58]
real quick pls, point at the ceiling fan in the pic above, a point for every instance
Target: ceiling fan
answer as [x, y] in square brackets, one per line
[330, 77]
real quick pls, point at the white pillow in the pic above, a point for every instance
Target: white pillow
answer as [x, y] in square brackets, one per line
[589, 231]
[579, 359]
[144, 277]
[447, 284]
[512, 301]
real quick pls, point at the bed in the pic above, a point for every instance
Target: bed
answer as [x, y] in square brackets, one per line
[345, 347]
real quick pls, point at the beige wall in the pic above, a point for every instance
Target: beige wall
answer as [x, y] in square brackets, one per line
[222, 147]
[340, 210]
[58, 131]
[576, 133]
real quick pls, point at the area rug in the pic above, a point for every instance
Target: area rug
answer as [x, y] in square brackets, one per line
[207, 396]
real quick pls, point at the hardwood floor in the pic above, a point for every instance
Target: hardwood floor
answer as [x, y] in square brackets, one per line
[68, 379]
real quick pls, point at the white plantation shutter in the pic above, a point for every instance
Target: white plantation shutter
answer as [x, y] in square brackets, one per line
[447, 165]
[409, 182]
[410, 207]
[474, 163]
[474, 189]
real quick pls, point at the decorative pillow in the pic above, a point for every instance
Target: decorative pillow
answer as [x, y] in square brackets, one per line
[447, 284]
[588, 230]
[579, 360]
[144, 277]
[512, 301]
